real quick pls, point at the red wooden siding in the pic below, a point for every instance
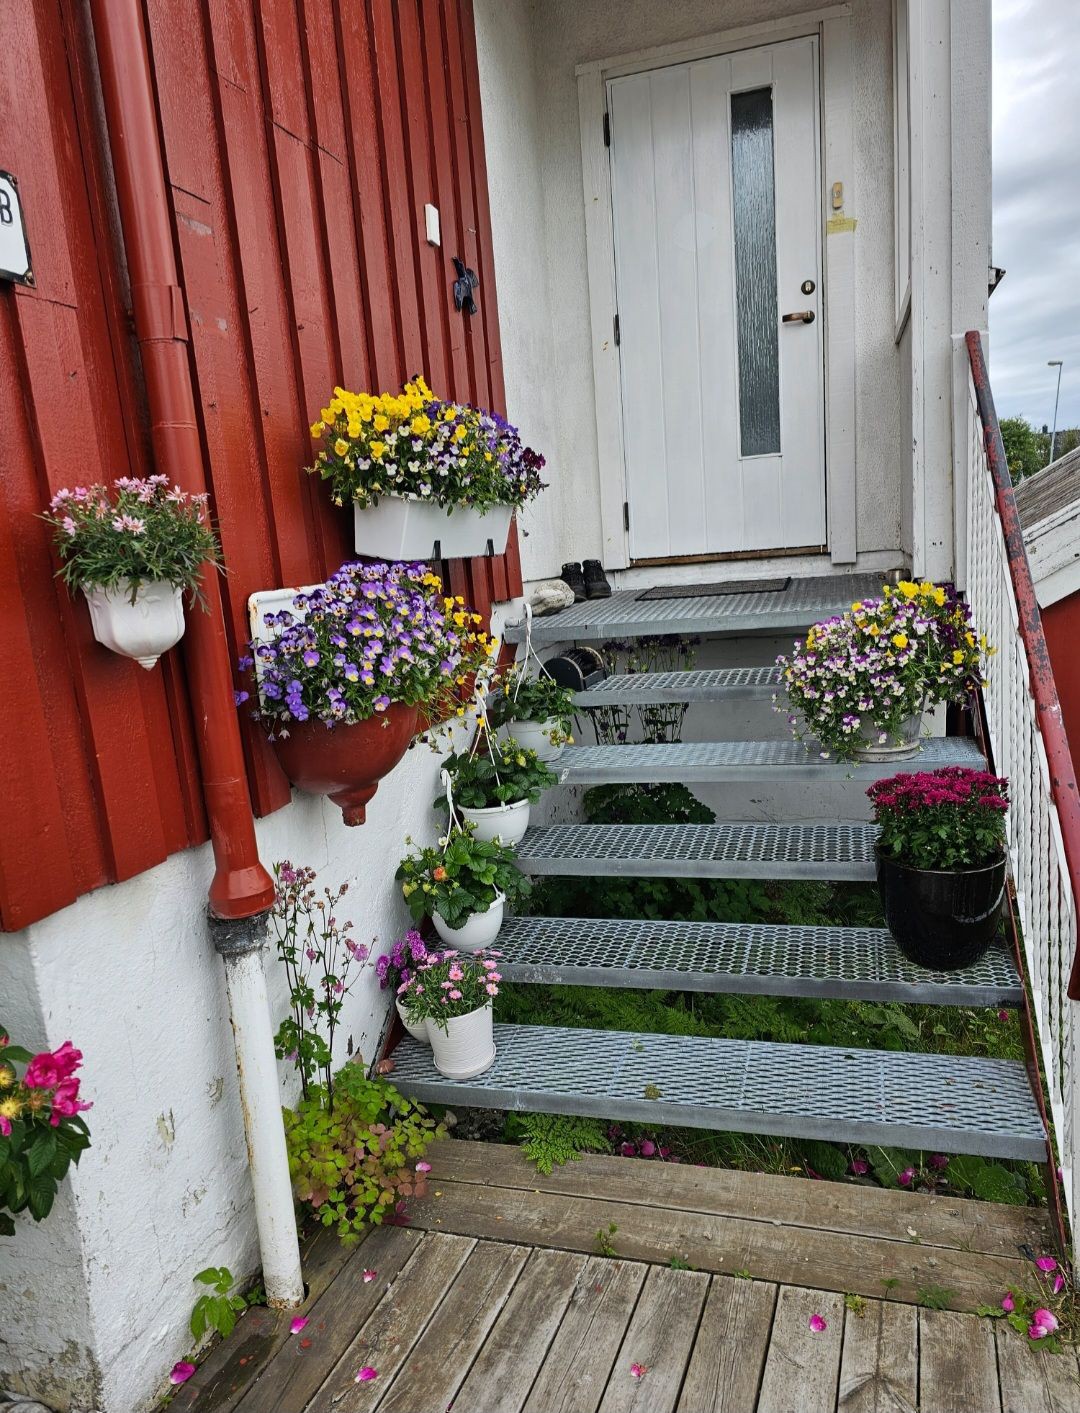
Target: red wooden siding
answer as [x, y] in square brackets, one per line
[302, 139]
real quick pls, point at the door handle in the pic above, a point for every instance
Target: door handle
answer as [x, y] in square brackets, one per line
[801, 316]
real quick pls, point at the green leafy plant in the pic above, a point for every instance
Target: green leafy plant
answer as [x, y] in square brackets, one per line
[517, 696]
[459, 878]
[496, 772]
[1049, 1315]
[453, 984]
[855, 1303]
[217, 1308]
[605, 1244]
[658, 722]
[934, 1297]
[952, 818]
[679, 1263]
[359, 1163]
[550, 1139]
[41, 1129]
[138, 531]
[322, 964]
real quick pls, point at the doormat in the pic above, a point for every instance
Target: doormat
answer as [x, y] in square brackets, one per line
[708, 591]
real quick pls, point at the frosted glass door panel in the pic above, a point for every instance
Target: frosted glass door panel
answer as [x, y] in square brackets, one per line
[717, 216]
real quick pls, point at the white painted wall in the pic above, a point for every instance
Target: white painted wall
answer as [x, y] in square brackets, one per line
[528, 50]
[96, 1300]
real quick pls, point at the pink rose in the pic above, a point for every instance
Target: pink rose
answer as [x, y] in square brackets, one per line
[66, 1102]
[52, 1067]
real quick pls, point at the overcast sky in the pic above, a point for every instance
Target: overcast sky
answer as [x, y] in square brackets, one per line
[1035, 313]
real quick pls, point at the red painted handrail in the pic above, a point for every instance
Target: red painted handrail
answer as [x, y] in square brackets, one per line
[1043, 687]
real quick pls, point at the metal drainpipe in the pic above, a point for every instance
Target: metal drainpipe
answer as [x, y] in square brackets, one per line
[242, 891]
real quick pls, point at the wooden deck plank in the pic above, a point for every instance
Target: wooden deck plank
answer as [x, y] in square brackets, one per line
[504, 1372]
[440, 1360]
[574, 1375]
[957, 1364]
[802, 1367]
[879, 1371]
[1033, 1381]
[729, 1353]
[960, 1223]
[660, 1336]
[385, 1339]
[300, 1364]
[769, 1250]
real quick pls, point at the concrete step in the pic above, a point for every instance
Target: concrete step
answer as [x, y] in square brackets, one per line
[747, 762]
[947, 1104]
[627, 615]
[843, 851]
[844, 963]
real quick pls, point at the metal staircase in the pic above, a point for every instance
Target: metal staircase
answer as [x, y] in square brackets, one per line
[960, 1105]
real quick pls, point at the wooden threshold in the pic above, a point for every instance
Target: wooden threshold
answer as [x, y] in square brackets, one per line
[728, 556]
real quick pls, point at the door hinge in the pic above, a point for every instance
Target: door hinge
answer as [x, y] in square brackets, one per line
[607, 129]
[618, 338]
[626, 516]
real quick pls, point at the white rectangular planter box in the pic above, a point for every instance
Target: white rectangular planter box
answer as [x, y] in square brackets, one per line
[398, 529]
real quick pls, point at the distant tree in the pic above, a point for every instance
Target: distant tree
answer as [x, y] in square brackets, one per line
[1025, 448]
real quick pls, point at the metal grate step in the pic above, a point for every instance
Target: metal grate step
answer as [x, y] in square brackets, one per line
[746, 762]
[714, 684]
[952, 1105]
[848, 963]
[818, 851]
[624, 615]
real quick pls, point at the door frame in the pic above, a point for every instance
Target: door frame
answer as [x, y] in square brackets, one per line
[832, 25]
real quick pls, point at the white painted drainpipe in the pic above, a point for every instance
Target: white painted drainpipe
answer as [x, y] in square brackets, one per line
[241, 944]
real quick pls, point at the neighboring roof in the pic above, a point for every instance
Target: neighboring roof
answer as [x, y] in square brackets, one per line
[1049, 507]
[1054, 488]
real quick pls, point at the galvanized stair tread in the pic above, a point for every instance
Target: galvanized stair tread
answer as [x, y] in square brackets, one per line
[712, 684]
[842, 851]
[624, 615]
[950, 1104]
[847, 963]
[746, 762]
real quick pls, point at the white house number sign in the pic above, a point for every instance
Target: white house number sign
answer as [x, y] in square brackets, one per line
[14, 247]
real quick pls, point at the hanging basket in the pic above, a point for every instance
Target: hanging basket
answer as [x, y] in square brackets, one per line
[142, 630]
[477, 931]
[507, 823]
[534, 736]
[346, 762]
[399, 528]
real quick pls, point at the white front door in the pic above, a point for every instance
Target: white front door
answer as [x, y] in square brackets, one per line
[716, 199]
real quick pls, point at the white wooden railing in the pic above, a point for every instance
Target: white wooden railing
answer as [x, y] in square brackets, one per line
[1028, 744]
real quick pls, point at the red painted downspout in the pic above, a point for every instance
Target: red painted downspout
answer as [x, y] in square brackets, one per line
[241, 886]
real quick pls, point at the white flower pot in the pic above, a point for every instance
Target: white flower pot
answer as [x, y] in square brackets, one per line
[505, 822]
[534, 736]
[417, 1029]
[401, 528]
[466, 1047]
[478, 931]
[142, 630]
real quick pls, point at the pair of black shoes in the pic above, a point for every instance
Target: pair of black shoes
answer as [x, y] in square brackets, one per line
[587, 580]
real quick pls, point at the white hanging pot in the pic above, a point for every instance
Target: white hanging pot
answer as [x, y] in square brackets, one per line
[400, 527]
[478, 931]
[534, 736]
[417, 1029]
[505, 822]
[142, 630]
[466, 1047]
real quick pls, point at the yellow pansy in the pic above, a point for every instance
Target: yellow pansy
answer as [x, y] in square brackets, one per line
[900, 639]
[382, 422]
[377, 449]
[421, 424]
[341, 447]
[908, 589]
[317, 429]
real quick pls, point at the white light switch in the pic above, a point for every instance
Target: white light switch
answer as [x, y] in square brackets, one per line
[431, 223]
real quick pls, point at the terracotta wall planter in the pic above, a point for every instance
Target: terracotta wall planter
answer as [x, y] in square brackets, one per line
[346, 762]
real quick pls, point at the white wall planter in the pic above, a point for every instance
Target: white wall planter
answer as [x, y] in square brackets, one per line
[478, 931]
[507, 822]
[142, 630]
[417, 1029]
[534, 736]
[466, 1047]
[400, 528]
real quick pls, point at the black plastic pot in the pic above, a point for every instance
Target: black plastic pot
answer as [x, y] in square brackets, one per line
[942, 920]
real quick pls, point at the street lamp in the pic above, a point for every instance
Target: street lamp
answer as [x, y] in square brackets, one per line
[1055, 363]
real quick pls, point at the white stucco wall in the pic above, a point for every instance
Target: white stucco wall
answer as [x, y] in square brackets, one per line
[96, 1300]
[528, 50]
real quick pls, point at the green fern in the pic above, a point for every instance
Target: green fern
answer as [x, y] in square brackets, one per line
[559, 1138]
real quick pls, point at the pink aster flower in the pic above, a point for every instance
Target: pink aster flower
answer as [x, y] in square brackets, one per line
[297, 1324]
[181, 1372]
[817, 1323]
